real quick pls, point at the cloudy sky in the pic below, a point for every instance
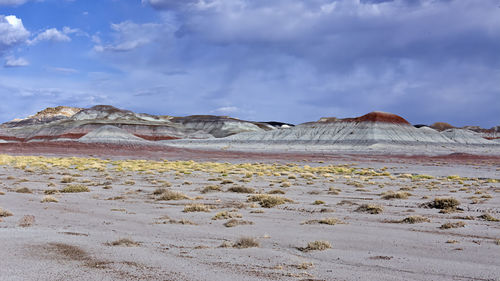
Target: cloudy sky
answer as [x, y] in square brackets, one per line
[285, 60]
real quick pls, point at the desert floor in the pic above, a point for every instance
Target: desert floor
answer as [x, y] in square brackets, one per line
[71, 218]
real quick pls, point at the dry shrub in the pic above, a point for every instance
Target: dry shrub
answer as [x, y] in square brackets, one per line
[276, 191]
[226, 215]
[329, 221]
[27, 221]
[196, 208]
[316, 246]
[246, 242]
[75, 188]
[452, 225]
[5, 213]
[226, 182]
[24, 190]
[241, 189]
[415, 219]
[67, 179]
[168, 195]
[370, 209]
[334, 191]
[159, 191]
[446, 204]
[487, 217]
[235, 222]
[395, 195]
[211, 188]
[49, 199]
[124, 242]
[305, 265]
[286, 184]
[51, 191]
[268, 201]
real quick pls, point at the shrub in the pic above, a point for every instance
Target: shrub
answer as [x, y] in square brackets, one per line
[488, 217]
[415, 219]
[276, 191]
[67, 179]
[318, 202]
[241, 189]
[196, 208]
[27, 221]
[329, 221]
[211, 188]
[395, 195]
[168, 195]
[246, 242]
[124, 242]
[235, 222]
[24, 190]
[226, 215]
[316, 246]
[443, 203]
[452, 225]
[74, 188]
[268, 201]
[370, 209]
[5, 213]
[49, 199]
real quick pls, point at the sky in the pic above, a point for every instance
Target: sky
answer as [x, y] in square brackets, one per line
[283, 60]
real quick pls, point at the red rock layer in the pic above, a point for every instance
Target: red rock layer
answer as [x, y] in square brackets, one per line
[379, 117]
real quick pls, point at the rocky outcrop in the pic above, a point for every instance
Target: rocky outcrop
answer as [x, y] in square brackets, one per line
[74, 123]
[47, 115]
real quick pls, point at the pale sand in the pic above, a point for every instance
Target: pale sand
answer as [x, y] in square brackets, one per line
[68, 239]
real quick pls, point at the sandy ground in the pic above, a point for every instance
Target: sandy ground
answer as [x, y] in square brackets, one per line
[72, 239]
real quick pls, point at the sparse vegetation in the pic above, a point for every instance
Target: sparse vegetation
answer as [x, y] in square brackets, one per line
[168, 195]
[447, 204]
[67, 179]
[235, 222]
[24, 190]
[395, 195]
[211, 188]
[241, 189]
[488, 217]
[75, 188]
[268, 201]
[452, 225]
[49, 199]
[196, 208]
[4, 213]
[27, 221]
[316, 246]
[246, 242]
[226, 215]
[415, 219]
[124, 242]
[370, 209]
[329, 221]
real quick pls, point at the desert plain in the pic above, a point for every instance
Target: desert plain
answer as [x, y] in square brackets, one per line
[249, 217]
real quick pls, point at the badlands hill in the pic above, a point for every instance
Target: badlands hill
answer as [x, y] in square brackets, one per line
[375, 131]
[74, 123]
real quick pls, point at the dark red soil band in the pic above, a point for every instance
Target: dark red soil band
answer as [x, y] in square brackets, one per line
[114, 151]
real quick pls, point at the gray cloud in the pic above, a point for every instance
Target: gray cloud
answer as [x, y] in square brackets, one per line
[298, 60]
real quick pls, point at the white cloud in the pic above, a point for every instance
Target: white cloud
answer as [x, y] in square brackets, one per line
[11, 61]
[52, 34]
[129, 36]
[12, 31]
[63, 70]
[12, 2]
[226, 110]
